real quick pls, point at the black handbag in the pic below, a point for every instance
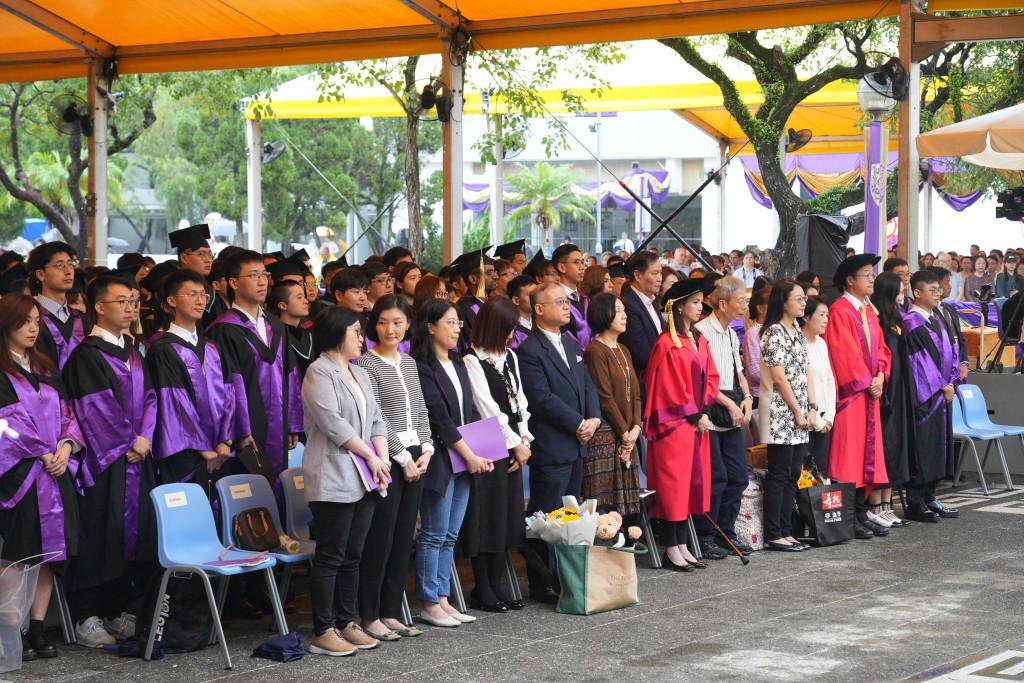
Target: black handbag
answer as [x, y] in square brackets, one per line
[719, 414]
[255, 530]
[255, 462]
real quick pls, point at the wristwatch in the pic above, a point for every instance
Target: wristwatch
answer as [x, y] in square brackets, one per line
[812, 406]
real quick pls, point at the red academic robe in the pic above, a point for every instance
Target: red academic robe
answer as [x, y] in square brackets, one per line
[855, 453]
[681, 384]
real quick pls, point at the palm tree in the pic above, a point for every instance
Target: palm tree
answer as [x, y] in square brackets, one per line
[546, 192]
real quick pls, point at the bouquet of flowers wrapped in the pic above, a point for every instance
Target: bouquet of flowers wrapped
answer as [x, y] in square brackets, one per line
[572, 524]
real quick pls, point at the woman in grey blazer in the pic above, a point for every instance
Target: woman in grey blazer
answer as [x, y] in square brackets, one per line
[343, 422]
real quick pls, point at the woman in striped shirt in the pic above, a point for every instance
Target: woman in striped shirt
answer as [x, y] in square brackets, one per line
[396, 386]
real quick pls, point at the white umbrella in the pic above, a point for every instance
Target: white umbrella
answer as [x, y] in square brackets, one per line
[116, 242]
[995, 140]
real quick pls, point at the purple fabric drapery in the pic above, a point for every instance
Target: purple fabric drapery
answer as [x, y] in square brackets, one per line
[844, 162]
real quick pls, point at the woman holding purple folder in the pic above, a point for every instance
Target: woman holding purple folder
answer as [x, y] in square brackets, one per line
[449, 399]
[494, 522]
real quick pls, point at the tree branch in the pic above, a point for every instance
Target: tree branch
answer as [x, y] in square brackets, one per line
[730, 95]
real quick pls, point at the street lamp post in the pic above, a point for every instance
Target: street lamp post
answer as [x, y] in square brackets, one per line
[875, 96]
[596, 128]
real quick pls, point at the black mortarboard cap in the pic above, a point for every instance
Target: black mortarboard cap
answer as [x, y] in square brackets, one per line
[686, 288]
[536, 263]
[193, 237]
[301, 256]
[849, 267]
[340, 262]
[14, 279]
[276, 255]
[161, 270]
[281, 269]
[508, 251]
[471, 259]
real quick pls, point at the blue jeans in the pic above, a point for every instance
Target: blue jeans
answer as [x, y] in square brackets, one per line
[441, 517]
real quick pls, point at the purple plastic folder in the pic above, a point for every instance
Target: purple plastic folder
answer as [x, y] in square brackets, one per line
[484, 438]
[364, 470]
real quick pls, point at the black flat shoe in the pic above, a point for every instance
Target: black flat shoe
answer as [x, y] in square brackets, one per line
[476, 603]
[699, 564]
[782, 547]
[941, 510]
[672, 566]
[548, 596]
[515, 604]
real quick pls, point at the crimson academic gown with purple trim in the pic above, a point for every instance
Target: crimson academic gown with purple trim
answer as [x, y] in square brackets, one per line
[682, 383]
[855, 452]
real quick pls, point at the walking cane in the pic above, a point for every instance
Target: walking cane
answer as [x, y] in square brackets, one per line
[743, 558]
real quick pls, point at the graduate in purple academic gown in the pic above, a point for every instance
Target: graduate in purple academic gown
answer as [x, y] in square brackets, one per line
[570, 266]
[935, 370]
[38, 511]
[51, 269]
[519, 291]
[114, 402]
[477, 272]
[195, 402]
[266, 382]
[287, 300]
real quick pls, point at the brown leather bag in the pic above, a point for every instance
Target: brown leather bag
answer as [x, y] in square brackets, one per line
[255, 530]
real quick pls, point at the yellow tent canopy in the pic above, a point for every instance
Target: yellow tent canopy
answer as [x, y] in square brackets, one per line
[45, 39]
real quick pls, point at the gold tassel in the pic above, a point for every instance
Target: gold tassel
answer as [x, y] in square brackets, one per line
[481, 286]
[672, 323]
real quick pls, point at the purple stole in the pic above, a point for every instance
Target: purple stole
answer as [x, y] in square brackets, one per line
[42, 419]
[65, 346]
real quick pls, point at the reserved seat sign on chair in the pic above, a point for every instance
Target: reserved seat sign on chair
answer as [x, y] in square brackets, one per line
[187, 542]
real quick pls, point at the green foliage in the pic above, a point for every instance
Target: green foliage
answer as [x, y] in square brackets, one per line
[547, 193]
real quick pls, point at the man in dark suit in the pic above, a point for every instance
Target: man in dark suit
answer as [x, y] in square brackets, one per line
[643, 322]
[567, 413]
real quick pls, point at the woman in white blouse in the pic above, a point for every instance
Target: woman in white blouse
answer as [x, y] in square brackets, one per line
[494, 520]
[813, 325]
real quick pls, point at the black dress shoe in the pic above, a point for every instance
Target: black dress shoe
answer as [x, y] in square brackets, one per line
[862, 533]
[475, 602]
[548, 596]
[514, 604]
[876, 529]
[28, 653]
[672, 566]
[711, 551]
[41, 645]
[919, 512]
[937, 507]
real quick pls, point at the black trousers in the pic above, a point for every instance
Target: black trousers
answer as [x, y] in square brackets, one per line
[728, 482]
[548, 483]
[341, 530]
[784, 461]
[818, 450]
[388, 549]
[921, 494]
[674, 533]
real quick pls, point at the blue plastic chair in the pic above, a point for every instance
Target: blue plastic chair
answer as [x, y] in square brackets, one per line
[972, 399]
[187, 542]
[241, 492]
[968, 435]
[296, 509]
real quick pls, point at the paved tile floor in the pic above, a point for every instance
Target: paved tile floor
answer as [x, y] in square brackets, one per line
[941, 602]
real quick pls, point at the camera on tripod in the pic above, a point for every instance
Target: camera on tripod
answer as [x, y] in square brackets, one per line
[985, 294]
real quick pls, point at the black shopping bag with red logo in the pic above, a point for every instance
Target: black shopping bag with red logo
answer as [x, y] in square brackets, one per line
[828, 511]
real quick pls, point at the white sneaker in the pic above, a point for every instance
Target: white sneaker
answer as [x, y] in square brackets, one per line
[90, 633]
[891, 516]
[879, 519]
[121, 627]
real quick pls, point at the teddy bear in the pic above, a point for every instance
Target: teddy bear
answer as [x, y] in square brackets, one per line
[609, 531]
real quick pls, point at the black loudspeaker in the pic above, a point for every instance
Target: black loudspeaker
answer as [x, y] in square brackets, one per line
[821, 247]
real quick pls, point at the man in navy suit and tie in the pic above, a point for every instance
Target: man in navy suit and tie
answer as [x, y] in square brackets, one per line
[640, 299]
[567, 414]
